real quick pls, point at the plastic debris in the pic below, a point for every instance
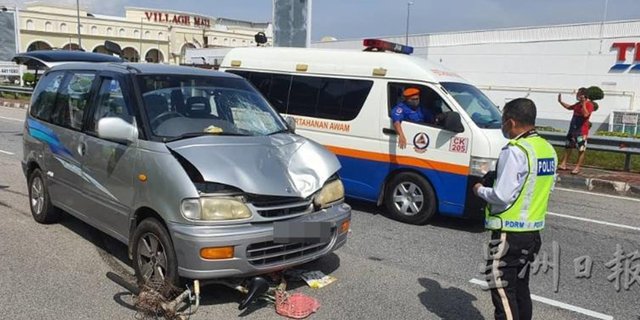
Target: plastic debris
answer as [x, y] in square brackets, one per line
[317, 279]
[295, 306]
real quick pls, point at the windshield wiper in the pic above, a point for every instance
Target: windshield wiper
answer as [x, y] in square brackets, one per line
[279, 131]
[199, 134]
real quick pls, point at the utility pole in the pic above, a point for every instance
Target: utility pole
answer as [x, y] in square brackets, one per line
[78, 14]
[406, 41]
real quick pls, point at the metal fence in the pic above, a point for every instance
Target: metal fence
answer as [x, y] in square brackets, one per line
[628, 146]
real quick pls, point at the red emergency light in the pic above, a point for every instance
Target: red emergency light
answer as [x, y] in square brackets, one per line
[381, 45]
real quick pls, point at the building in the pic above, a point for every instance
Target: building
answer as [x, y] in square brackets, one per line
[540, 62]
[144, 34]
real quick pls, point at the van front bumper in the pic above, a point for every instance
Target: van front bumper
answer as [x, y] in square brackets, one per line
[254, 249]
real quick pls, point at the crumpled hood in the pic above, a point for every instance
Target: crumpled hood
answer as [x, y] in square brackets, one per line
[279, 165]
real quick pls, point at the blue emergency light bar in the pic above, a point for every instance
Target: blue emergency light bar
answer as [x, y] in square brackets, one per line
[381, 45]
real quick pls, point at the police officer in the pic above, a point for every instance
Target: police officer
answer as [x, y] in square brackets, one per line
[516, 209]
[409, 110]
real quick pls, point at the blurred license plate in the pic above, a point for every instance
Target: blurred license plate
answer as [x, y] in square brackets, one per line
[301, 231]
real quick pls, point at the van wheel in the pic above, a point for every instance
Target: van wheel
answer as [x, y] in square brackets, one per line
[409, 198]
[39, 201]
[154, 259]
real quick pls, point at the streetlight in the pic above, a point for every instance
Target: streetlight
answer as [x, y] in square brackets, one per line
[406, 41]
[78, 13]
[604, 17]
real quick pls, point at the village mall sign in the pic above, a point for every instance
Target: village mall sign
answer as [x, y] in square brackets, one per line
[622, 65]
[171, 18]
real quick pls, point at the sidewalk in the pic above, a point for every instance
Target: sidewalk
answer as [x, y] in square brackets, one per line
[601, 181]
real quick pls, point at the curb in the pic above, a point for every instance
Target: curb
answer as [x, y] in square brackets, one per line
[618, 188]
[16, 105]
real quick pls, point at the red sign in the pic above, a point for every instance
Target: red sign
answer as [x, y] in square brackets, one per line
[622, 65]
[184, 20]
[459, 145]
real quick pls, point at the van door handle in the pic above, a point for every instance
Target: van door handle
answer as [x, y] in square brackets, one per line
[82, 148]
[389, 131]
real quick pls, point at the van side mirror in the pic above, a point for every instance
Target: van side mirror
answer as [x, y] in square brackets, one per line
[451, 121]
[114, 128]
[291, 123]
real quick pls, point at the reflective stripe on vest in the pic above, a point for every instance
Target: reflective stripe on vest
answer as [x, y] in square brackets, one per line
[528, 211]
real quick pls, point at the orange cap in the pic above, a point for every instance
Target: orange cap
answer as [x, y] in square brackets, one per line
[409, 92]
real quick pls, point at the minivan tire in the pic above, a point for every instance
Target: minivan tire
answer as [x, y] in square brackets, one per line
[153, 249]
[410, 198]
[39, 200]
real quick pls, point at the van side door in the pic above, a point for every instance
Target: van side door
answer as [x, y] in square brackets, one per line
[58, 123]
[109, 165]
[440, 155]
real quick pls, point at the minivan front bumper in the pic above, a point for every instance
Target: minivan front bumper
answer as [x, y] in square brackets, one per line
[254, 249]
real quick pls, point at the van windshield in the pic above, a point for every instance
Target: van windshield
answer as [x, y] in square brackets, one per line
[182, 106]
[481, 110]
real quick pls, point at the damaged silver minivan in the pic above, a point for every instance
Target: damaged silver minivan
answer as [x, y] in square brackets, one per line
[192, 169]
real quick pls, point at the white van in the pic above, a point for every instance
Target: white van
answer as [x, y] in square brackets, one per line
[343, 100]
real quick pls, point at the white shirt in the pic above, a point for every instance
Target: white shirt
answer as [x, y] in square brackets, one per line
[511, 172]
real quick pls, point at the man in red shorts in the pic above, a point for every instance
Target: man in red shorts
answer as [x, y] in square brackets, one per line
[578, 129]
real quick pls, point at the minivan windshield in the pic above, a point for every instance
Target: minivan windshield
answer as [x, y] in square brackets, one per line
[183, 106]
[482, 111]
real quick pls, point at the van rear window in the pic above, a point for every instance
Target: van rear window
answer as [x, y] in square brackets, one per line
[317, 97]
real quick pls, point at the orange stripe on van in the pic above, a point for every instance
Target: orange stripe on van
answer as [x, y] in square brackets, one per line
[401, 160]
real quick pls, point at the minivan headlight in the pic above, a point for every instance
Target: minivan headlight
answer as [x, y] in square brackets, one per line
[214, 209]
[331, 192]
[480, 166]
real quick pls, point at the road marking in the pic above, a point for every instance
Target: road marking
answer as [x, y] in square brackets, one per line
[7, 152]
[599, 194]
[594, 221]
[12, 119]
[555, 303]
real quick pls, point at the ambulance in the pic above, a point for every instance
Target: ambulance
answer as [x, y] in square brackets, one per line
[343, 99]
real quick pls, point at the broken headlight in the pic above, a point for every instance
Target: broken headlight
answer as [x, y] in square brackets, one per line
[330, 193]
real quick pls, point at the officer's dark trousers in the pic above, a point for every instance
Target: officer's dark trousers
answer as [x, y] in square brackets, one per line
[511, 254]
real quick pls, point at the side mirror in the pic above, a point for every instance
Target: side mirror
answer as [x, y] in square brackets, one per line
[113, 128]
[451, 121]
[291, 123]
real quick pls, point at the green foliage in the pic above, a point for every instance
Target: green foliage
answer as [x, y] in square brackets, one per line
[617, 134]
[548, 129]
[29, 78]
[595, 93]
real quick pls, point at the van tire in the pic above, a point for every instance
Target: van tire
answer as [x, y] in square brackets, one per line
[410, 198]
[150, 234]
[39, 200]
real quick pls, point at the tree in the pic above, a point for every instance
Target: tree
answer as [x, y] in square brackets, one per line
[595, 93]
[29, 78]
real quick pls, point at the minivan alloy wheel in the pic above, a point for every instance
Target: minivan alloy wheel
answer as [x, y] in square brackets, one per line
[37, 195]
[408, 198]
[152, 258]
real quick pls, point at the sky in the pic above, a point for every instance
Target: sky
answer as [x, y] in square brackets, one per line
[349, 19]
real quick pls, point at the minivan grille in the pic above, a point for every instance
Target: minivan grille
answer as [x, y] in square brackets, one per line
[266, 253]
[283, 212]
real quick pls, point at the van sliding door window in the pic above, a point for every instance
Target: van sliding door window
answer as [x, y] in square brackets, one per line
[45, 95]
[72, 101]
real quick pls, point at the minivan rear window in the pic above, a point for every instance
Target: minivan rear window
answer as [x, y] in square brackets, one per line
[45, 94]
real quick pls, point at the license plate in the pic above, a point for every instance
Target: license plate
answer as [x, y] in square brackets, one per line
[301, 231]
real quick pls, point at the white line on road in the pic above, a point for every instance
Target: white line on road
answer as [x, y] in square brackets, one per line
[7, 152]
[12, 119]
[558, 304]
[599, 194]
[594, 221]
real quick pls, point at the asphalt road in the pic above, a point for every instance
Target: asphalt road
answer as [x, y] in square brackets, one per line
[387, 270]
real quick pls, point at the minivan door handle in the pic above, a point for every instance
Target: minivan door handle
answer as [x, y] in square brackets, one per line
[82, 148]
[389, 131]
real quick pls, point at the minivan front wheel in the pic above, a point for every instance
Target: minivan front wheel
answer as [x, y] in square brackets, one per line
[154, 258]
[410, 198]
[39, 201]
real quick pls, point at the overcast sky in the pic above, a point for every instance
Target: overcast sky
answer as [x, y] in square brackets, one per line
[360, 18]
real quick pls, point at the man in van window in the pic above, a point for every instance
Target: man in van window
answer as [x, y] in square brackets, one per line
[409, 110]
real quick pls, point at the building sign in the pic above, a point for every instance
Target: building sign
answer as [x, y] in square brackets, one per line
[185, 20]
[8, 69]
[626, 62]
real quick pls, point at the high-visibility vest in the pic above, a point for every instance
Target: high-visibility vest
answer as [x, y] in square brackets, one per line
[528, 211]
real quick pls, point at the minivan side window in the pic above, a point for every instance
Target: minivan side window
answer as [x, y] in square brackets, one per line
[45, 95]
[430, 101]
[72, 101]
[110, 103]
